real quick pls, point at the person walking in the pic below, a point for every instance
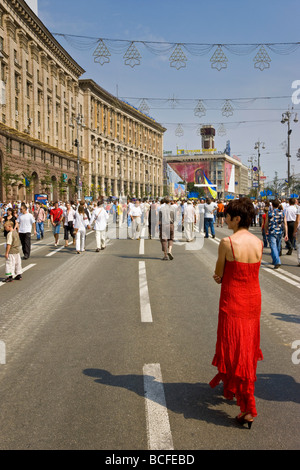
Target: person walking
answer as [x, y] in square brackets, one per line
[26, 221]
[290, 215]
[201, 215]
[220, 214]
[99, 219]
[238, 335]
[13, 264]
[80, 225]
[209, 209]
[275, 220]
[166, 228]
[189, 221]
[135, 215]
[56, 216]
[296, 233]
[39, 216]
[68, 222]
[10, 216]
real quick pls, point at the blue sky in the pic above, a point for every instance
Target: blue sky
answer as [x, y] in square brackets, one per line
[196, 21]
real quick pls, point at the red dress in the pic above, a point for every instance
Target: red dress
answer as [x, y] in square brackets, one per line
[238, 335]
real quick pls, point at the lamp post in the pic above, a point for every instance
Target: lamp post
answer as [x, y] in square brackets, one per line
[286, 118]
[79, 120]
[257, 146]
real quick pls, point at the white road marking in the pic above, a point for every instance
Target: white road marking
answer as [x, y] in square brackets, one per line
[146, 315]
[55, 251]
[23, 270]
[158, 425]
[142, 242]
[281, 276]
[286, 273]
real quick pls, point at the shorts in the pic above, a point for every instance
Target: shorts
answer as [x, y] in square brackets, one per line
[55, 229]
[220, 214]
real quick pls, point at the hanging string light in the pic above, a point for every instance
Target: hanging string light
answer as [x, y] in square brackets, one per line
[178, 59]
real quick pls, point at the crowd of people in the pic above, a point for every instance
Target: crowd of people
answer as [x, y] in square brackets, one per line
[279, 220]
[237, 268]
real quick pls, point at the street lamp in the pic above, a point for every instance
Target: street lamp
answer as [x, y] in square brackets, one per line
[79, 120]
[257, 146]
[286, 118]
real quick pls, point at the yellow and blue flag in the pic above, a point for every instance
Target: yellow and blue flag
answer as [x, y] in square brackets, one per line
[212, 191]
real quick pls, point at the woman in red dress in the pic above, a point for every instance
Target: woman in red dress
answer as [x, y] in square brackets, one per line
[238, 335]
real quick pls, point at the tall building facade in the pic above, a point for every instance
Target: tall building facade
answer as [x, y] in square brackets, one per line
[119, 150]
[124, 147]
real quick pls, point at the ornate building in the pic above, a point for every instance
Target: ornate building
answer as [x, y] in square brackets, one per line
[124, 147]
[118, 151]
[39, 96]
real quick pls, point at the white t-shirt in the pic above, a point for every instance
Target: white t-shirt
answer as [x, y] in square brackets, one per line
[209, 210]
[290, 213]
[25, 222]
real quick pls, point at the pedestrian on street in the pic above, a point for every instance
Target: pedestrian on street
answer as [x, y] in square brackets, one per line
[296, 233]
[26, 222]
[166, 228]
[80, 225]
[290, 215]
[135, 215]
[209, 209]
[10, 216]
[68, 222]
[220, 214]
[39, 216]
[263, 226]
[13, 264]
[189, 221]
[275, 220]
[238, 335]
[201, 215]
[56, 216]
[99, 219]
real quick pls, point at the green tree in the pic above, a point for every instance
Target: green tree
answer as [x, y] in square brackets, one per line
[9, 178]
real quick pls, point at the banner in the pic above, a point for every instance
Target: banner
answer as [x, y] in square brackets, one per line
[191, 172]
[229, 170]
[179, 190]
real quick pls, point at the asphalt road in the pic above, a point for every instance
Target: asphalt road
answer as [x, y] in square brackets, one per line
[113, 350]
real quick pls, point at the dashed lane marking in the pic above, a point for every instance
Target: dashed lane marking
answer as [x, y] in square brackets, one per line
[146, 314]
[158, 425]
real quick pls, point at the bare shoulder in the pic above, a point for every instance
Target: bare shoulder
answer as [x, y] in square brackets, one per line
[225, 242]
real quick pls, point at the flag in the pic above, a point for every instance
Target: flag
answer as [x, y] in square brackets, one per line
[209, 184]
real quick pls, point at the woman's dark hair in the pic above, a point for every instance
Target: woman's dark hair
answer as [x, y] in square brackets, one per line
[243, 208]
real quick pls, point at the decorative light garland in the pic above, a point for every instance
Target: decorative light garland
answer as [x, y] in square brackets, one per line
[104, 47]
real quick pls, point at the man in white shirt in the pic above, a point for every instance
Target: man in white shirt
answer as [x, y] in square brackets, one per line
[296, 233]
[26, 222]
[290, 215]
[99, 218]
[135, 215]
[209, 209]
[189, 221]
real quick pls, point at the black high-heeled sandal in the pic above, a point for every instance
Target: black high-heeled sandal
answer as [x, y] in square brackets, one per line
[242, 420]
